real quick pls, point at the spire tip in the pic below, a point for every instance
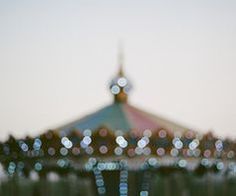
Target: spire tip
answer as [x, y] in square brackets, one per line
[121, 58]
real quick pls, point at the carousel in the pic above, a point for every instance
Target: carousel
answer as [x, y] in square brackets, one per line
[118, 150]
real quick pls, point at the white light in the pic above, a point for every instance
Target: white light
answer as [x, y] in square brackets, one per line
[89, 150]
[138, 150]
[51, 151]
[152, 161]
[37, 144]
[63, 151]
[193, 144]
[87, 140]
[119, 133]
[143, 142]
[24, 147]
[177, 143]
[53, 177]
[87, 132]
[122, 82]
[66, 142]
[120, 140]
[124, 144]
[143, 193]
[220, 165]
[115, 89]
[92, 160]
[127, 89]
[182, 163]
[33, 175]
[63, 140]
[146, 139]
[197, 152]
[205, 162]
[174, 152]
[38, 166]
[219, 145]
[147, 151]
[147, 133]
[118, 151]
[101, 166]
[83, 145]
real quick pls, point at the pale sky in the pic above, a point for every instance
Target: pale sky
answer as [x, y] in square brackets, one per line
[57, 57]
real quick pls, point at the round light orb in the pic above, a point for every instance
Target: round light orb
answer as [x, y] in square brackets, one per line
[51, 151]
[160, 151]
[174, 152]
[101, 190]
[89, 150]
[103, 132]
[127, 89]
[63, 151]
[121, 141]
[219, 145]
[66, 142]
[61, 163]
[103, 149]
[92, 160]
[87, 140]
[87, 132]
[142, 143]
[138, 150]
[24, 147]
[207, 153]
[162, 133]
[37, 144]
[205, 162]
[152, 161]
[230, 154]
[146, 151]
[182, 163]
[119, 133]
[178, 144]
[38, 166]
[115, 89]
[118, 151]
[197, 152]
[147, 133]
[194, 144]
[11, 167]
[144, 193]
[220, 165]
[122, 82]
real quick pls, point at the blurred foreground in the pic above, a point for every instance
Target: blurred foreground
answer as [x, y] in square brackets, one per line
[141, 183]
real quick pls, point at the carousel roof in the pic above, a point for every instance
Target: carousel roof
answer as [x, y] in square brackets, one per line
[121, 115]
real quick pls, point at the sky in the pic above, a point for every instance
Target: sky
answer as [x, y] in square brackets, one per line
[57, 58]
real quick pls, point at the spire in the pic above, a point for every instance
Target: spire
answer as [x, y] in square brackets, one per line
[121, 59]
[120, 85]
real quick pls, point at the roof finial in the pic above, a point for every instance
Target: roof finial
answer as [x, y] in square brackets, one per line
[120, 85]
[121, 58]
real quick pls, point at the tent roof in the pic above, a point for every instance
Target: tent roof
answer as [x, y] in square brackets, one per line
[122, 116]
